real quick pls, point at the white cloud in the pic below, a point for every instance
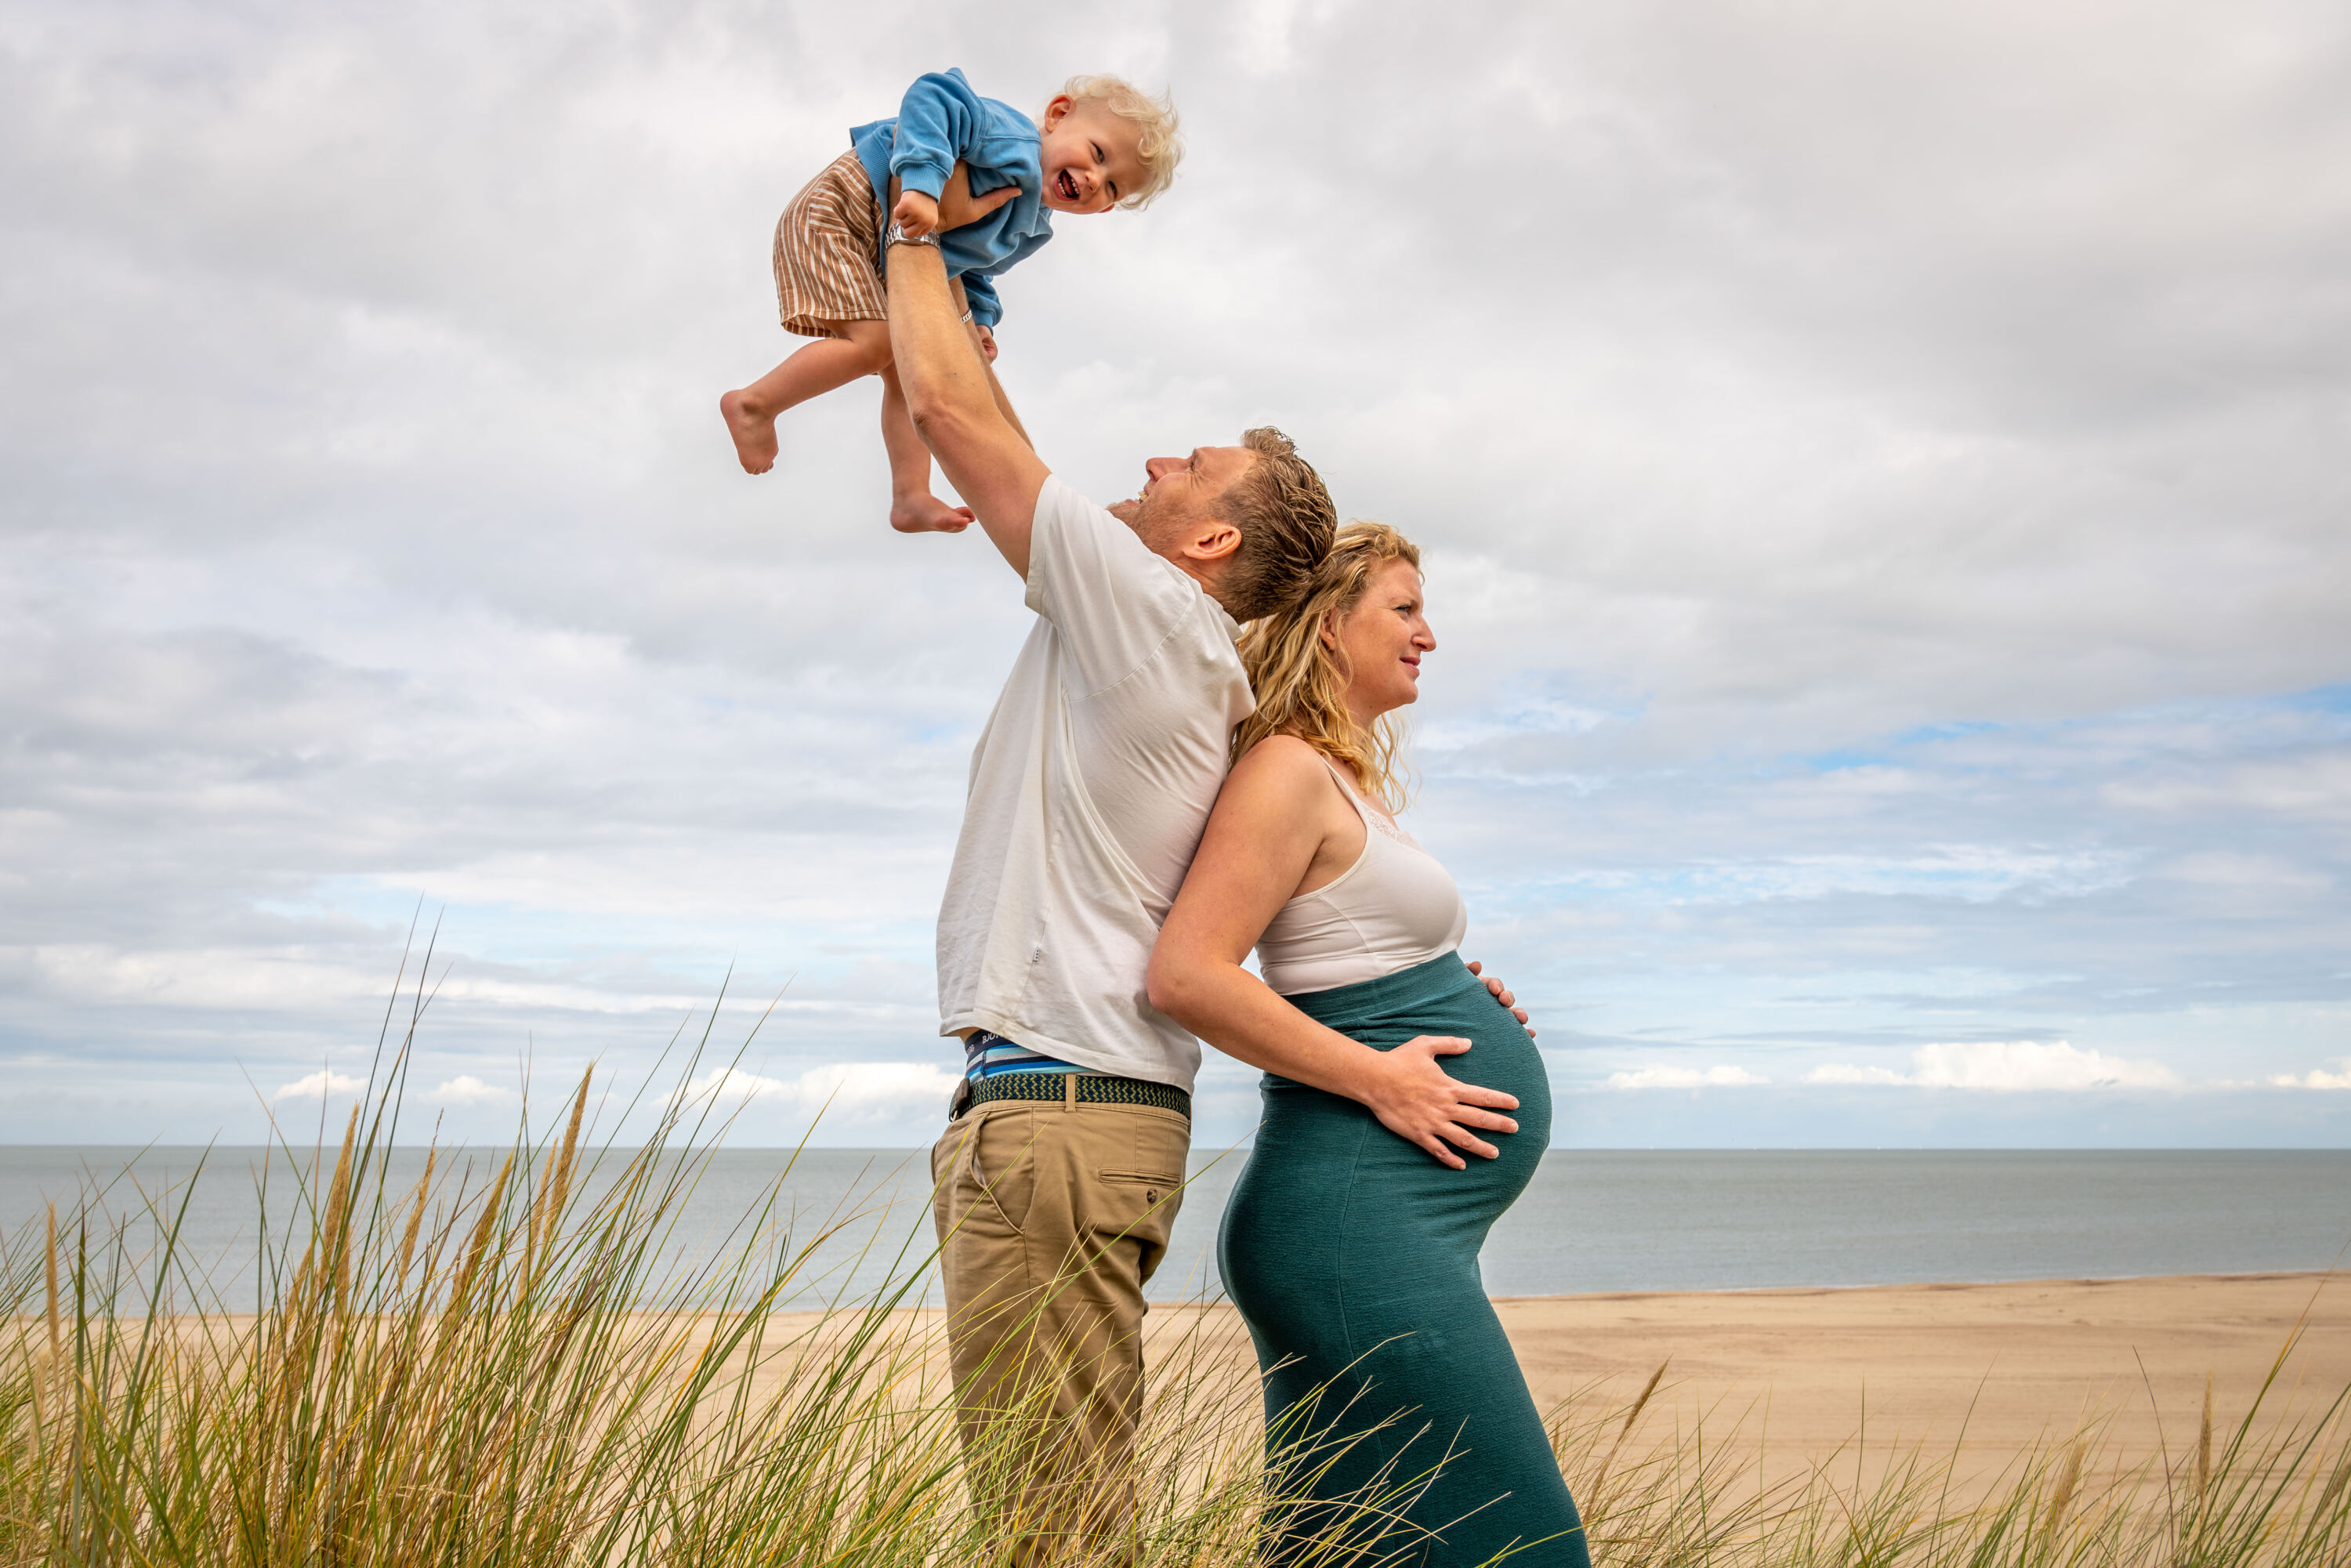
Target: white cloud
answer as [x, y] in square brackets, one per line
[320, 1084]
[2314, 787]
[2318, 1077]
[1842, 1073]
[467, 1090]
[95, 974]
[852, 1090]
[1684, 1078]
[2007, 1066]
[732, 1084]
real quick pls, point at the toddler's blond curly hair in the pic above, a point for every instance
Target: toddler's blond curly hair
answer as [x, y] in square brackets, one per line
[1159, 146]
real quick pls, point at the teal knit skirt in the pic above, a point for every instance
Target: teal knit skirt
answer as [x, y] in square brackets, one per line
[1352, 1255]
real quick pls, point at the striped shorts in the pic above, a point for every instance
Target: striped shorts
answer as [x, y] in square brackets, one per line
[827, 246]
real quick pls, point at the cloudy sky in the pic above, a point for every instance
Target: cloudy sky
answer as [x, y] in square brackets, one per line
[1881, 468]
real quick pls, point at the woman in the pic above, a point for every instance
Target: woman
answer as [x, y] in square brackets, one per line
[1350, 1243]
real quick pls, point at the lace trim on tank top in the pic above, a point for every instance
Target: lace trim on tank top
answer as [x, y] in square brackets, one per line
[1372, 816]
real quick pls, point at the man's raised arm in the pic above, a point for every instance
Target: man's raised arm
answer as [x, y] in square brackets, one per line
[948, 393]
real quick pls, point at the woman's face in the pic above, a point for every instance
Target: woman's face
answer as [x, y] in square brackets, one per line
[1382, 640]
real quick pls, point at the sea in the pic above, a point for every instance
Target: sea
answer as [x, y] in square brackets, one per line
[1592, 1221]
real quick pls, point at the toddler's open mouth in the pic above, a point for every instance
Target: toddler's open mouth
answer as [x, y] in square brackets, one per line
[1067, 184]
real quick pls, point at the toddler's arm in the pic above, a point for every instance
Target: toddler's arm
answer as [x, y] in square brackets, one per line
[939, 121]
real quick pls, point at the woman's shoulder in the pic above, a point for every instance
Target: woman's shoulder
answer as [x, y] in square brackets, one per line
[1281, 762]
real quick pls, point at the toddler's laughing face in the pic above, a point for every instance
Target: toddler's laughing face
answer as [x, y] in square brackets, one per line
[1089, 155]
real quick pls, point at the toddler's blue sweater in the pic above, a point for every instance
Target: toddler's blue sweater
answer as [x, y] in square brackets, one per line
[941, 120]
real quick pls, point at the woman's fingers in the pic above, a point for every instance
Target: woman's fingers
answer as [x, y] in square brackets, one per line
[1495, 988]
[1421, 1104]
[1461, 1136]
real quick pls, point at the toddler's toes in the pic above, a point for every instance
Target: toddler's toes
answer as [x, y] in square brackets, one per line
[928, 514]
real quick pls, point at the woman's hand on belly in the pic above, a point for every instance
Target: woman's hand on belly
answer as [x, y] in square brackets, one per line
[1420, 1103]
[1496, 989]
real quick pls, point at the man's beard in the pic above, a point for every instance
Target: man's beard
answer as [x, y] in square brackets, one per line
[1146, 516]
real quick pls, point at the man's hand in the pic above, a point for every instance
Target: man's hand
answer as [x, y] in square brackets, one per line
[958, 409]
[1494, 988]
[1418, 1101]
[916, 212]
[958, 206]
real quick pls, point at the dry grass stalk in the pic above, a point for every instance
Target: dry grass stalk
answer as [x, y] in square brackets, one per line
[2204, 1444]
[2062, 1498]
[2336, 1483]
[339, 1211]
[555, 1190]
[479, 1243]
[415, 1220]
[564, 1160]
[56, 1326]
[1632, 1417]
[42, 1371]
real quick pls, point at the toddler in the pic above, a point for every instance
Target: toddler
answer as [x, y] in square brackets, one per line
[985, 180]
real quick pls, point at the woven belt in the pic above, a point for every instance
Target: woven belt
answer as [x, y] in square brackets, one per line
[1081, 1088]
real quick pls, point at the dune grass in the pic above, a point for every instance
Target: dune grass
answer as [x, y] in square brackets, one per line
[516, 1362]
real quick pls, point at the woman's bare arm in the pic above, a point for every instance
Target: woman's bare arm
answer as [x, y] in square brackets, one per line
[1262, 839]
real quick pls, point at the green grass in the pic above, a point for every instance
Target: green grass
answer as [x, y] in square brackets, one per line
[505, 1362]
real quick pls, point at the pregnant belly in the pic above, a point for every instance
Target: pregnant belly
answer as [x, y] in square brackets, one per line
[1324, 1161]
[1443, 998]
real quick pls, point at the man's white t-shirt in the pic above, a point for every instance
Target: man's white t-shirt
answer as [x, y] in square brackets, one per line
[1089, 791]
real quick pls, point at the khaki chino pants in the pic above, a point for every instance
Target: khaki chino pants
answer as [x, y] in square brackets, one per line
[1051, 1216]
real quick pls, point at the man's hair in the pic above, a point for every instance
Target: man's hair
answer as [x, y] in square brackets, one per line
[1287, 523]
[1158, 145]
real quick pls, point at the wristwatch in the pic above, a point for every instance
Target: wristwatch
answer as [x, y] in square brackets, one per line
[896, 235]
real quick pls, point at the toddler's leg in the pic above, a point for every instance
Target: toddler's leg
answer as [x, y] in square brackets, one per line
[913, 508]
[750, 412]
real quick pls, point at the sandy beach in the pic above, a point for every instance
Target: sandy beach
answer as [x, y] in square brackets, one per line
[2002, 1364]
[1985, 1369]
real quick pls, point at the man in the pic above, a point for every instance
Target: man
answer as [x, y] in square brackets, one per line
[1060, 1172]
[1058, 1179]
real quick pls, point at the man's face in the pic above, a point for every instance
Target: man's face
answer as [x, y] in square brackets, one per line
[1180, 492]
[1092, 157]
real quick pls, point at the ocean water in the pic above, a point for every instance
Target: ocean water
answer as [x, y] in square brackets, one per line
[1592, 1221]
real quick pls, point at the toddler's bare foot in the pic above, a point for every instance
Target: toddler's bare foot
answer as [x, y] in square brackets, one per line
[926, 514]
[755, 438]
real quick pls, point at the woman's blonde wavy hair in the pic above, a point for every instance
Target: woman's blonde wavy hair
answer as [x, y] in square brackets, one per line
[1301, 683]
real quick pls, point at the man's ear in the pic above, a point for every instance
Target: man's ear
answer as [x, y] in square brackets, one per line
[1213, 540]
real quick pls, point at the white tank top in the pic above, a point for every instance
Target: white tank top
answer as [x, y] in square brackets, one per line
[1392, 909]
